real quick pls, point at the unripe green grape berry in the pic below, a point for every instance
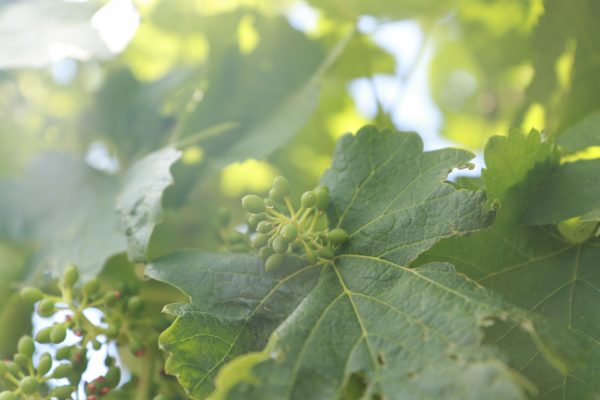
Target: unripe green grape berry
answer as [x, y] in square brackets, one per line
[289, 233]
[109, 361]
[265, 252]
[135, 305]
[13, 368]
[91, 287]
[253, 204]
[43, 336]
[64, 353]
[26, 345]
[273, 262]
[96, 345]
[259, 240]
[311, 258]
[326, 252]
[45, 364]
[112, 331]
[112, 377]
[264, 227]
[70, 276]
[281, 185]
[322, 193]
[7, 395]
[275, 196]
[62, 371]
[31, 294]
[62, 392]
[223, 216]
[45, 308]
[254, 219]
[111, 298]
[575, 230]
[337, 236]
[58, 333]
[22, 360]
[279, 245]
[308, 199]
[29, 385]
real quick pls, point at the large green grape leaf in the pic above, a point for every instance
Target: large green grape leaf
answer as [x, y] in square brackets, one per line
[67, 210]
[404, 333]
[235, 305]
[582, 135]
[534, 267]
[35, 33]
[571, 190]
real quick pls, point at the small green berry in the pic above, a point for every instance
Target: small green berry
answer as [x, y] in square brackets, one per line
[264, 227]
[29, 385]
[223, 216]
[275, 196]
[13, 368]
[96, 345]
[112, 331]
[62, 392]
[31, 294]
[43, 336]
[265, 252]
[322, 193]
[45, 364]
[109, 361]
[289, 233]
[253, 204]
[259, 240]
[326, 252]
[62, 371]
[281, 185]
[70, 276]
[337, 236]
[58, 333]
[279, 245]
[112, 377]
[46, 308]
[64, 353]
[22, 360]
[7, 395]
[26, 345]
[135, 305]
[111, 298]
[273, 262]
[308, 199]
[91, 287]
[254, 219]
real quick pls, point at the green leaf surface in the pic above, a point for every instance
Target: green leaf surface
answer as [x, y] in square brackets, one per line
[67, 210]
[572, 190]
[582, 135]
[235, 305]
[535, 268]
[404, 333]
[35, 33]
[139, 203]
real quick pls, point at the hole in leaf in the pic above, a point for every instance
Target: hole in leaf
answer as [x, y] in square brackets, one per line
[355, 387]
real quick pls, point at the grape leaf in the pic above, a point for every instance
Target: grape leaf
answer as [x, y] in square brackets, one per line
[571, 190]
[139, 202]
[582, 135]
[67, 209]
[235, 305]
[403, 332]
[533, 266]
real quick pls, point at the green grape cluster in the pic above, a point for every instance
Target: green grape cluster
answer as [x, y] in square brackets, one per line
[122, 322]
[282, 229]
